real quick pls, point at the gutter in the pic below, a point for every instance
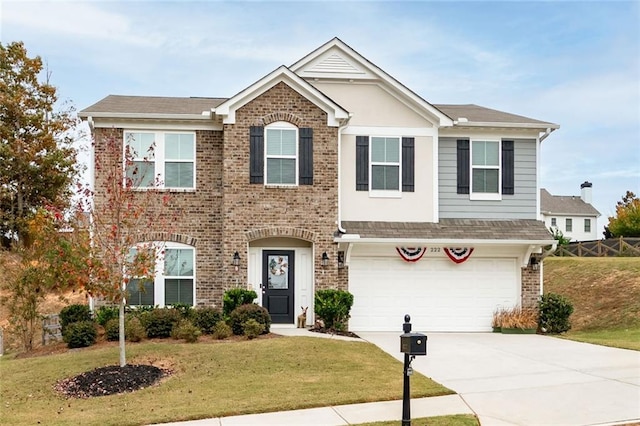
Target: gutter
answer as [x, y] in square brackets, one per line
[340, 129]
[205, 115]
[355, 238]
[547, 133]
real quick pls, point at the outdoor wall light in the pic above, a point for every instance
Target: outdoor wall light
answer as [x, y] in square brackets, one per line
[340, 259]
[236, 260]
[325, 260]
[535, 263]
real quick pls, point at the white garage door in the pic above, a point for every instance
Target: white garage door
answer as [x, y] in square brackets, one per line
[438, 294]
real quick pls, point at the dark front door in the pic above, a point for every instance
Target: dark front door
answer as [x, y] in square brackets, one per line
[278, 285]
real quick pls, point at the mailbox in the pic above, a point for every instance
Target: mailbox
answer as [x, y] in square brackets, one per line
[413, 343]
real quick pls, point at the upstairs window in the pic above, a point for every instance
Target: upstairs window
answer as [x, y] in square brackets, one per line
[587, 225]
[554, 222]
[385, 165]
[568, 225]
[168, 157]
[281, 155]
[485, 168]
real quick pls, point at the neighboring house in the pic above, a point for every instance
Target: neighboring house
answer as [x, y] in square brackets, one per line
[330, 173]
[574, 216]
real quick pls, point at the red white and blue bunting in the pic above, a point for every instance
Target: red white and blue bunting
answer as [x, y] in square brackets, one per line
[411, 254]
[458, 255]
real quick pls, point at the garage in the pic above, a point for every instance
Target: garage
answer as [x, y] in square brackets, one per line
[440, 295]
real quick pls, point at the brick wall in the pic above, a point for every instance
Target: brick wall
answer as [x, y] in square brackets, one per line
[530, 287]
[253, 211]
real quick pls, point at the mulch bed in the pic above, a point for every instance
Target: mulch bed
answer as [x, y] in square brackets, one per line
[111, 380]
[333, 331]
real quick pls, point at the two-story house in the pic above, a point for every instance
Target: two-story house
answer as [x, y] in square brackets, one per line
[572, 215]
[330, 173]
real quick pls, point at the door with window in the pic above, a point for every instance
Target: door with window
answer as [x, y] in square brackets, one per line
[278, 285]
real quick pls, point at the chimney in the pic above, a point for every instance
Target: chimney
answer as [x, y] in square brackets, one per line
[585, 193]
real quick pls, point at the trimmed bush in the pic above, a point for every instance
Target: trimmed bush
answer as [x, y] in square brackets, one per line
[186, 330]
[221, 331]
[160, 322]
[73, 313]
[81, 334]
[246, 312]
[112, 330]
[105, 313]
[133, 330]
[555, 311]
[333, 306]
[236, 297]
[252, 328]
[185, 310]
[206, 319]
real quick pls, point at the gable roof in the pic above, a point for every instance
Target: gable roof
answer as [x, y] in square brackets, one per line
[565, 205]
[336, 59]
[145, 106]
[475, 115]
[335, 113]
[453, 231]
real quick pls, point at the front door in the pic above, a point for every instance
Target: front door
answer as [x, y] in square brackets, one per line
[278, 284]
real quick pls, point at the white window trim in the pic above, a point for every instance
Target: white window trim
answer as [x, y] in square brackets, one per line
[281, 125]
[587, 221]
[484, 196]
[159, 158]
[385, 193]
[159, 278]
[568, 221]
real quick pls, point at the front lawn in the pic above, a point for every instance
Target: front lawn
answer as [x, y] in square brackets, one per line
[454, 420]
[208, 380]
[628, 338]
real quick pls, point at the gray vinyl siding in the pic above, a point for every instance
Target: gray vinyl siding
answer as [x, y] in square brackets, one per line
[521, 205]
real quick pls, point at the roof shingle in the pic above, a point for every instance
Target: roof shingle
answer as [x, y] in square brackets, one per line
[152, 105]
[568, 205]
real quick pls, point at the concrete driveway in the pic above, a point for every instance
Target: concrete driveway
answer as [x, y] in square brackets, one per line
[530, 379]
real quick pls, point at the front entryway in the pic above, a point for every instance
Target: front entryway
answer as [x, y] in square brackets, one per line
[278, 284]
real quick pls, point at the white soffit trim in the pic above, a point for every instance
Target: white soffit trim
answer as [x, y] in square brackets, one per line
[335, 113]
[407, 242]
[390, 131]
[336, 60]
[156, 124]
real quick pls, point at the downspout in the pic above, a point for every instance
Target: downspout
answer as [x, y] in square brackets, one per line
[344, 125]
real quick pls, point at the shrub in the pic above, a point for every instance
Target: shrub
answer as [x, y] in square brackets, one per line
[160, 322]
[252, 328]
[206, 319]
[106, 313]
[555, 311]
[133, 330]
[186, 330]
[81, 334]
[73, 313]
[221, 330]
[236, 297]
[112, 330]
[333, 306]
[246, 312]
[517, 317]
[185, 310]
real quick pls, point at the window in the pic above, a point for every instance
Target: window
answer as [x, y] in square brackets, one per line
[281, 156]
[554, 222]
[288, 154]
[485, 167]
[587, 225]
[174, 281]
[385, 165]
[167, 156]
[568, 225]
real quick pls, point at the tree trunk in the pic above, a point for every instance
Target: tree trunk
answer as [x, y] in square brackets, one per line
[123, 360]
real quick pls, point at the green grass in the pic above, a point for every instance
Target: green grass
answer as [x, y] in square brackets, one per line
[605, 292]
[210, 380]
[455, 420]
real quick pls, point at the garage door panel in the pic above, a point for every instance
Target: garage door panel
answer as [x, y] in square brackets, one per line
[438, 294]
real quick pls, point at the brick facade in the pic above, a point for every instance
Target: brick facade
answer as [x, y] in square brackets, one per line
[530, 287]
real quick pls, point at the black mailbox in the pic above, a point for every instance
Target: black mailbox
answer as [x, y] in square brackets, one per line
[413, 343]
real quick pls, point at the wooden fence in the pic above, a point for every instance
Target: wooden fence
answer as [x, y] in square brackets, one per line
[601, 248]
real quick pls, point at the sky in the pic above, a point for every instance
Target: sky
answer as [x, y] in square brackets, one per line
[576, 64]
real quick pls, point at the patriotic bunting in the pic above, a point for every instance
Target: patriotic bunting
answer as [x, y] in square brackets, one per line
[411, 254]
[458, 255]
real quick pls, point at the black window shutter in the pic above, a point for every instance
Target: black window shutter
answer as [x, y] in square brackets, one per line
[305, 161]
[408, 164]
[362, 163]
[463, 166]
[508, 180]
[256, 154]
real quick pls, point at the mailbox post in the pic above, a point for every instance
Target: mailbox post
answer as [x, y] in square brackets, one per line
[411, 344]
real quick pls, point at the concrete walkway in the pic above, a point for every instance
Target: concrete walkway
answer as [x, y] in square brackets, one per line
[503, 379]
